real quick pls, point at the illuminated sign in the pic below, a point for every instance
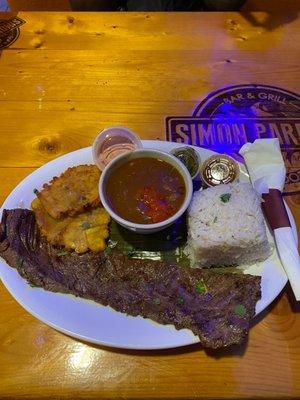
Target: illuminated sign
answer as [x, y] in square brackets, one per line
[230, 117]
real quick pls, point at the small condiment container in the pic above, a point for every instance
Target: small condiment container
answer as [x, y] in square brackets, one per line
[189, 157]
[112, 142]
[219, 169]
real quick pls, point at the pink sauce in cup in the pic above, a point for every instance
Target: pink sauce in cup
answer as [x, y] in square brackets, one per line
[112, 142]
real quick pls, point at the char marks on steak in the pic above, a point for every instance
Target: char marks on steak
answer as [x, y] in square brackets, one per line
[216, 307]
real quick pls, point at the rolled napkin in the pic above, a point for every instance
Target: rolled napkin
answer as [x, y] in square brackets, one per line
[266, 168]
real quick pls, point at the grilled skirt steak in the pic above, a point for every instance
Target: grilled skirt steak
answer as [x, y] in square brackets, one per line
[216, 307]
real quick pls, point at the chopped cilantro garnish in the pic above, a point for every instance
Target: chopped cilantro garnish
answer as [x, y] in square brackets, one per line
[201, 287]
[157, 301]
[35, 191]
[215, 219]
[62, 253]
[180, 301]
[240, 310]
[85, 225]
[225, 197]
[33, 285]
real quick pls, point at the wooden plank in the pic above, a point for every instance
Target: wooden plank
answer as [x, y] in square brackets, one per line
[145, 31]
[138, 89]
[133, 76]
[42, 140]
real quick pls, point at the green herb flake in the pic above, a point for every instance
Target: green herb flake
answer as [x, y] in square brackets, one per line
[62, 253]
[215, 219]
[157, 301]
[108, 250]
[129, 250]
[33, 285]
[240, 310]
[35, 191]
[129, 253]
[180, 301]
[85, 225]
[225, 197]
[201, 287]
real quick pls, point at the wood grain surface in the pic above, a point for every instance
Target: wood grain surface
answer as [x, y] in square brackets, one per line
[65, 78]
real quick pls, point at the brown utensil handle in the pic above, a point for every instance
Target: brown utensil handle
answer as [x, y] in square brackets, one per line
[274, 209]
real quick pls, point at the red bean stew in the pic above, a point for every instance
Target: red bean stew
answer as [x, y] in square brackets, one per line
[145, 190]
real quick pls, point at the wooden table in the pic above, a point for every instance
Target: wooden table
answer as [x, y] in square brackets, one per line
[66, 77]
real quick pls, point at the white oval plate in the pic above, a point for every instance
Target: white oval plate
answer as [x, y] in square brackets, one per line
[90, 321]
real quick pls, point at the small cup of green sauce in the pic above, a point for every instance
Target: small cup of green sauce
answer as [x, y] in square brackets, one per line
[189, 157]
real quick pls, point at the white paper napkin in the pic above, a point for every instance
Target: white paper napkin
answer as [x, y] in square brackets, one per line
[267, 171]
[265, 164]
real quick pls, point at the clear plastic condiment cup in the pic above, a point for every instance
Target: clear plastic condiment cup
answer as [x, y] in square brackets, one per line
[113, 141]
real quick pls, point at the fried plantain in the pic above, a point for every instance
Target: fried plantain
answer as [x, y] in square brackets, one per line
[72, 192]
[83, 232]
[50, 227]
[87, 231]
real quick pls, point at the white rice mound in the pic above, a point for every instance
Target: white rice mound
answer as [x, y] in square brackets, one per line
[226, 233]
